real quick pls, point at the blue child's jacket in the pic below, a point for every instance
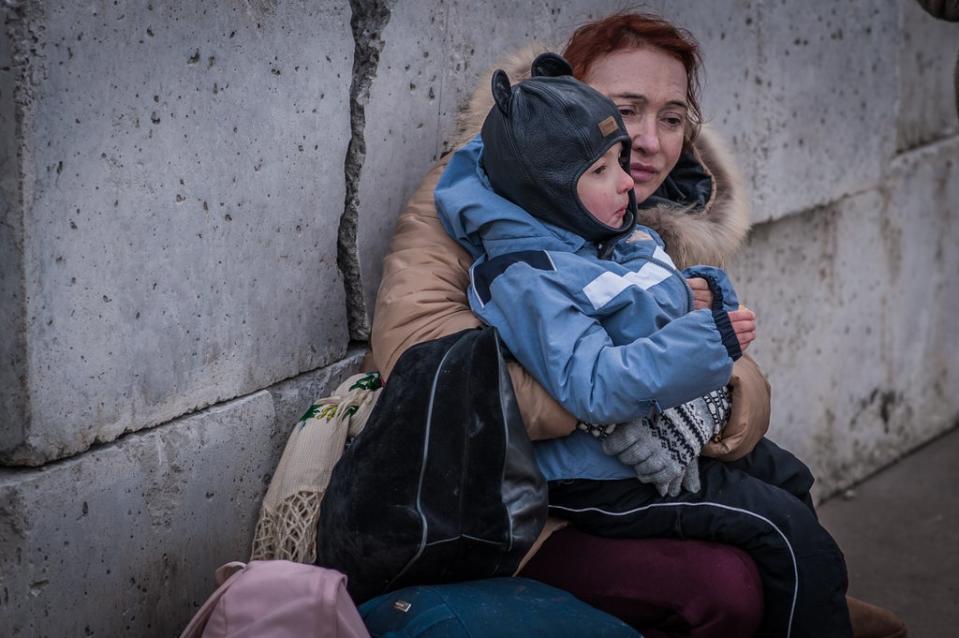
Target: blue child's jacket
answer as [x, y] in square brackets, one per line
[611, 339]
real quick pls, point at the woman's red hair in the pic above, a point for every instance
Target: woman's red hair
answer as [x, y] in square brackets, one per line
[620, 31]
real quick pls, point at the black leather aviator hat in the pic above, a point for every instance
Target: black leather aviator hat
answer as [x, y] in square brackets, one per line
[542, 135]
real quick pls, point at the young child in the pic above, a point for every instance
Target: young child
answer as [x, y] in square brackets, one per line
[594, 308]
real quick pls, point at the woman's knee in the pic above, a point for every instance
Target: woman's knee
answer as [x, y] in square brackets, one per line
[708, 589]
[726, 590]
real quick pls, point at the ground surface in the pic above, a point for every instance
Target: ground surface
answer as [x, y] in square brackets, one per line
[900, 533]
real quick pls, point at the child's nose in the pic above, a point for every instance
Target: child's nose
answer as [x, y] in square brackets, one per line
[626, 182]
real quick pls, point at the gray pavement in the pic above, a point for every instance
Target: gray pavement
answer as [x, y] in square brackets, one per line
[899, 531]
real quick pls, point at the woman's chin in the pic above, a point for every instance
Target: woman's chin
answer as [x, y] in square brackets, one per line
[644, 191]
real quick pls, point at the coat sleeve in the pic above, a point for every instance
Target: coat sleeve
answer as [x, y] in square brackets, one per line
[724, 295]
[542, 318]
[422, 296]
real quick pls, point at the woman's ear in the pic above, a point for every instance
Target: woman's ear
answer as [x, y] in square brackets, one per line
[502, 91]
[550, 65]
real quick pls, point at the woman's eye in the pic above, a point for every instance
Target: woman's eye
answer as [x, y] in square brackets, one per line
[627, 111]
[672, 121]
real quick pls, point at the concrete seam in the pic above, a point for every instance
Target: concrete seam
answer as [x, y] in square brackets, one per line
[765, 131]
[353, 356]
[24, 27]
[369, 18]
[896, 162]
[932, 146]
[902, 456]
[897, 140]
[441, 144]
[129, 435]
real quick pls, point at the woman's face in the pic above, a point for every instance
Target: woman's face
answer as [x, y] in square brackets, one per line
[648, 87]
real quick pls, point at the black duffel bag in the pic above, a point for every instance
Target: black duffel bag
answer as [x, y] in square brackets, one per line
[441, 484]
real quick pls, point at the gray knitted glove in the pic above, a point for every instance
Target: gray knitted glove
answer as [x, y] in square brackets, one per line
[663, 450]
[641, 445]
[691, 477]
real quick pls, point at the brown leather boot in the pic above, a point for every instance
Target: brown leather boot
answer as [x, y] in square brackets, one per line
[870, 621]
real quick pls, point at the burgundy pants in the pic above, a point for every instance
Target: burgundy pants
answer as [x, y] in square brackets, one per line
[663, 587]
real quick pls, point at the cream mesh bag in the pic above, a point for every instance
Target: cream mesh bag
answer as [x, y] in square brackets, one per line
[286, 528]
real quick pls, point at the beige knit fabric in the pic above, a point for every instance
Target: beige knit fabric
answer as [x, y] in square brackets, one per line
[286, 528]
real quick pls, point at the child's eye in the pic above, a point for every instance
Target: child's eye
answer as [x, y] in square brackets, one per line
[599, 170]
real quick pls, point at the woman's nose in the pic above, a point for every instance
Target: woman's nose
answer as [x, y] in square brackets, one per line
[646, 137]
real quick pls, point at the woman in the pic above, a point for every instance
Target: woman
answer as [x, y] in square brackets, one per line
[690, 194]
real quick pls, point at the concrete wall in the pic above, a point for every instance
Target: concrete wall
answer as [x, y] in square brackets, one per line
[194, 202]
[785, 82]
[857, 304]
[123, 540]
[180, 171]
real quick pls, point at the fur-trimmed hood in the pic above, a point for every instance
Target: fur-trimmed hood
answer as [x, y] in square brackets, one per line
[707, 233]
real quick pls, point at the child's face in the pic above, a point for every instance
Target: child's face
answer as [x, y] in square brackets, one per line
[604, 188]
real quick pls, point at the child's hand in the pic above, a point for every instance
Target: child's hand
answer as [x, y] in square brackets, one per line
[702, 295]
[744, 325]
[637, 445]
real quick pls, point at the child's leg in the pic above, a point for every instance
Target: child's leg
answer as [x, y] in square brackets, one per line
[772, 464]
[802, 569]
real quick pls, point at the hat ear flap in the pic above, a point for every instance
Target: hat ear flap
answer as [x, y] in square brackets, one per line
[502, 91]
[550, 65]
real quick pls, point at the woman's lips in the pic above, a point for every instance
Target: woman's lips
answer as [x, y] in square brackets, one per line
[642, 172]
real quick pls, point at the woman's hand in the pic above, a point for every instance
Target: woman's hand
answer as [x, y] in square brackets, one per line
[748, 414]
[702, 295]
[744, 325]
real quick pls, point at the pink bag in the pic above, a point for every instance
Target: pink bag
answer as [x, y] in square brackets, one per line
[277, 599]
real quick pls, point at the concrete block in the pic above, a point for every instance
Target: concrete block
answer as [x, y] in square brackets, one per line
[727, 32]
[731, 100]
[123, 540]
[432, 58]
[801, 103]
[927, 91]
[182, 178]
[857, 304]
[505, 27]
[829, 108]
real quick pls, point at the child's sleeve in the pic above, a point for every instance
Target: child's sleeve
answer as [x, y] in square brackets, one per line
[724, 295]
[545, 323]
